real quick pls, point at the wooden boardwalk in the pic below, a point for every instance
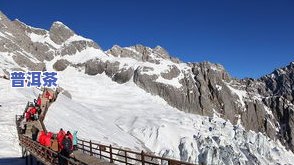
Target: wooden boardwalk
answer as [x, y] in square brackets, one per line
[37, 124]
[91, 160]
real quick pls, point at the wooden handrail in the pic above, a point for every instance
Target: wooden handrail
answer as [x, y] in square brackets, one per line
[112, 153]
[44, 154]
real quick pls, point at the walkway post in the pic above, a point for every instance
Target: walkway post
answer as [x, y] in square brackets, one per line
[110, 152]
[126, 158]
[100, 151]
[142, 158]
[91, 152]
[83, 146]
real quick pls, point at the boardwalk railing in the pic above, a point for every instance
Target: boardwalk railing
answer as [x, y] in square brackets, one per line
[44, 154]
[122, 156]
[40, 152]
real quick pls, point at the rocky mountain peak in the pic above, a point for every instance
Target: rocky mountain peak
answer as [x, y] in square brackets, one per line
[280, 82]
[284, 70]
[59, 32]
[142, 53]
[29, 29]
[160, 51]
[2, 16]
[58, 24]
[3, 20]
[291, 66]
[115, 49]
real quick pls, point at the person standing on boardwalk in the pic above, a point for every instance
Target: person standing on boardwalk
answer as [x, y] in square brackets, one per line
[48, 139]
[60, 137]
[35, 132]
[42, 138]
[28, 116]
[32, 111]
[71, 138]
[39, 102]
[75, 140]
[54, 143]
[66, 149]
[48, 96]
[23, 126]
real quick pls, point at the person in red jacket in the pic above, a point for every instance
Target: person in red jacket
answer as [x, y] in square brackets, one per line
[48, 95]
[28, 116]
[48, 139]
[60, 137]
[32, 112]
[29, 109]
[39, 102]
[42, 138]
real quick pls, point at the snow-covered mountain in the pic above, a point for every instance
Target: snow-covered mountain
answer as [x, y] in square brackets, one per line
[142, 98]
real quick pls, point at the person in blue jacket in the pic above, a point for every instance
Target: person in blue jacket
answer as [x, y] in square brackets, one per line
[75, 140]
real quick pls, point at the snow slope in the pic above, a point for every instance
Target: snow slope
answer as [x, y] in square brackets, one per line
[13, 101]
[125, 115]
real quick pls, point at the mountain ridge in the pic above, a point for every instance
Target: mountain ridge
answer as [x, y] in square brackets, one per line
[262, 105]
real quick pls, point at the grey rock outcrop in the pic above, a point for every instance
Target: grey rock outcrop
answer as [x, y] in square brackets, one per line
[123, 75]
[280, 82]
[61, 64]
[142, 53]
[172, 73]
[111, 68]
[94, 67]
[59, 33]
[118, 51]
[67, 94]
[77, 46]
[29, 29]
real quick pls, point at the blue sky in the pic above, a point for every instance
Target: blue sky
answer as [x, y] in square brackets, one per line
[249, 37]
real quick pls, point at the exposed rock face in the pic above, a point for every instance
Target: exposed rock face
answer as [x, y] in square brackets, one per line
[208, 88]
[29, 29]
[94, 67]
[172, 73]
[59, 33]
[67, 94]
[123, 75]
[25, 52]
[278, 90]
[118, 51]
[142, 53]
[61, 65]
[31, 47]
[77, 46]
[281, 82]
